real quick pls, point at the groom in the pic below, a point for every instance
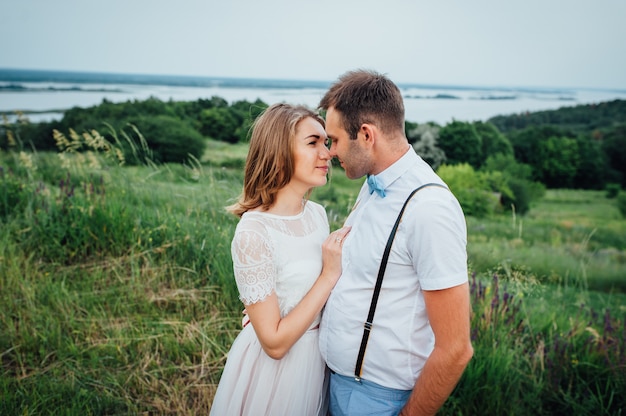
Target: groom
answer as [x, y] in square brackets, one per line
[408, 358]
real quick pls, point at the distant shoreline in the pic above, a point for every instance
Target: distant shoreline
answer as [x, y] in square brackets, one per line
[35, 75]
[31, 75]
[47, 95]
[22, 88]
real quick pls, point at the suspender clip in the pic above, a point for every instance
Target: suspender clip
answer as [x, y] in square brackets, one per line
[367, 326]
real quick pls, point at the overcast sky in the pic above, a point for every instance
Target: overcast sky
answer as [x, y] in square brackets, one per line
[530, 43]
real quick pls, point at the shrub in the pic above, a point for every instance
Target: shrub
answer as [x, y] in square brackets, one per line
[612, 190]
[461, 143]
[220, 124]
[517, 180]
[470, 189]
[621, 203]
[170, 140]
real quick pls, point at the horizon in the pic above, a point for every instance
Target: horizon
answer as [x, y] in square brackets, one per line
[318, 83]
[45, 94]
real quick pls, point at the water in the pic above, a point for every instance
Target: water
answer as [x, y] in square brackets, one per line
[49, 93]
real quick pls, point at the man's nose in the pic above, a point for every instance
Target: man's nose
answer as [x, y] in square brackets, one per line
[333, 150]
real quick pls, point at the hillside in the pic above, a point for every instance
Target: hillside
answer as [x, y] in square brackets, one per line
[584, 118]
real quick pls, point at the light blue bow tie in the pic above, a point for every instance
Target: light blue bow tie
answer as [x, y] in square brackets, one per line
[375, 185]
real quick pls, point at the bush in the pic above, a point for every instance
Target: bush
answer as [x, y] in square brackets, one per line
[517, 181]
[461, 143]
[612, 190]
[470, 189]
[621, 203]
[220, 124]
[170, 140]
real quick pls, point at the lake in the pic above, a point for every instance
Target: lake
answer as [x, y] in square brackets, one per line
[48, 93]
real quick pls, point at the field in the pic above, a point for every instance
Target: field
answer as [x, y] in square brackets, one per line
[117, 297]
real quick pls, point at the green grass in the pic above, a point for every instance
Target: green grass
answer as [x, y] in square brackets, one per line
[577, 238]
[225, 155]
[118, 297]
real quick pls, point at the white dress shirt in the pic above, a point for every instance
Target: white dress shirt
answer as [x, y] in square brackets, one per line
[428, 253]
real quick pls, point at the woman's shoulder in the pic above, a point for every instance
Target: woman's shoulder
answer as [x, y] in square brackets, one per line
[250, 222]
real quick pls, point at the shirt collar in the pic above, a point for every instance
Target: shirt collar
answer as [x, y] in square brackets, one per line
[393, 172]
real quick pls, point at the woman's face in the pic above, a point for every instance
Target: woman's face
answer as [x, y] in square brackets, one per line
[311, 156]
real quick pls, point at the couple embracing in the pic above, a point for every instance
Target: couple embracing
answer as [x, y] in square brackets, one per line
[371, 319]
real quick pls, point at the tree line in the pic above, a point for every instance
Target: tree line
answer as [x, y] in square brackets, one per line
[581, 147]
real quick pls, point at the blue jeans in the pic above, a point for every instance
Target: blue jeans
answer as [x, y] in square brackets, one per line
[349, 397]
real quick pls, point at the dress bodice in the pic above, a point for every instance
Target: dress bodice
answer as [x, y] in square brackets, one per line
[281, 254]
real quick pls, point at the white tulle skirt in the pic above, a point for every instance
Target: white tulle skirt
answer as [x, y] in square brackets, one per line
[255, 384]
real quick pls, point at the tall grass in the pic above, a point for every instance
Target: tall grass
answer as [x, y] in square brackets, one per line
[117, 296]
[116, 291]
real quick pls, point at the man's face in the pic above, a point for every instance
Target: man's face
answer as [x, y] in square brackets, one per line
[350, 153]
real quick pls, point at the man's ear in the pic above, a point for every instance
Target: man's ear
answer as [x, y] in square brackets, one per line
[368, 131]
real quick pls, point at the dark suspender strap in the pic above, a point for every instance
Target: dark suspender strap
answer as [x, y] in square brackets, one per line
[379, 282]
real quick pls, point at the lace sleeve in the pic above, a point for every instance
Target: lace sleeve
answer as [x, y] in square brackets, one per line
[253, 266]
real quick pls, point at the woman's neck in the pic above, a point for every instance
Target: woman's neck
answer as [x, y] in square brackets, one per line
[288, 202]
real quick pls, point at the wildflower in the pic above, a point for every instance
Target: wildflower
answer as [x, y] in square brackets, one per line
[27, 161]
[61, 141]
[11, 139]
[65, 162]
[93, 161]
[120, 156]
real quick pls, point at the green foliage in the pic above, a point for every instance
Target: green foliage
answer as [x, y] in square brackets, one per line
[524, 193]
[470, 188]
[598, 129]
[230, 124]
[612, 190]
[461, 144]
[79, 223]
[546, 362]
[13, 194]
[621, 203]
[526, 142]
[142, 325]
[573, 238]
[169, 139]
[555, 156]
[219, 124]
[614, 146]
[557, 161]
[493, 142]
[145, 130]
[584, 118]
[591, 172]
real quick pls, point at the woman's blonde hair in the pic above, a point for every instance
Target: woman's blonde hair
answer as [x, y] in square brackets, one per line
[269, 165]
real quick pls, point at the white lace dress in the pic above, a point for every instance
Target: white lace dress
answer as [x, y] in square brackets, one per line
[279, 254]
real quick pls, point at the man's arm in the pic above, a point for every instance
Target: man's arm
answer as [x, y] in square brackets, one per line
[449, 314]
